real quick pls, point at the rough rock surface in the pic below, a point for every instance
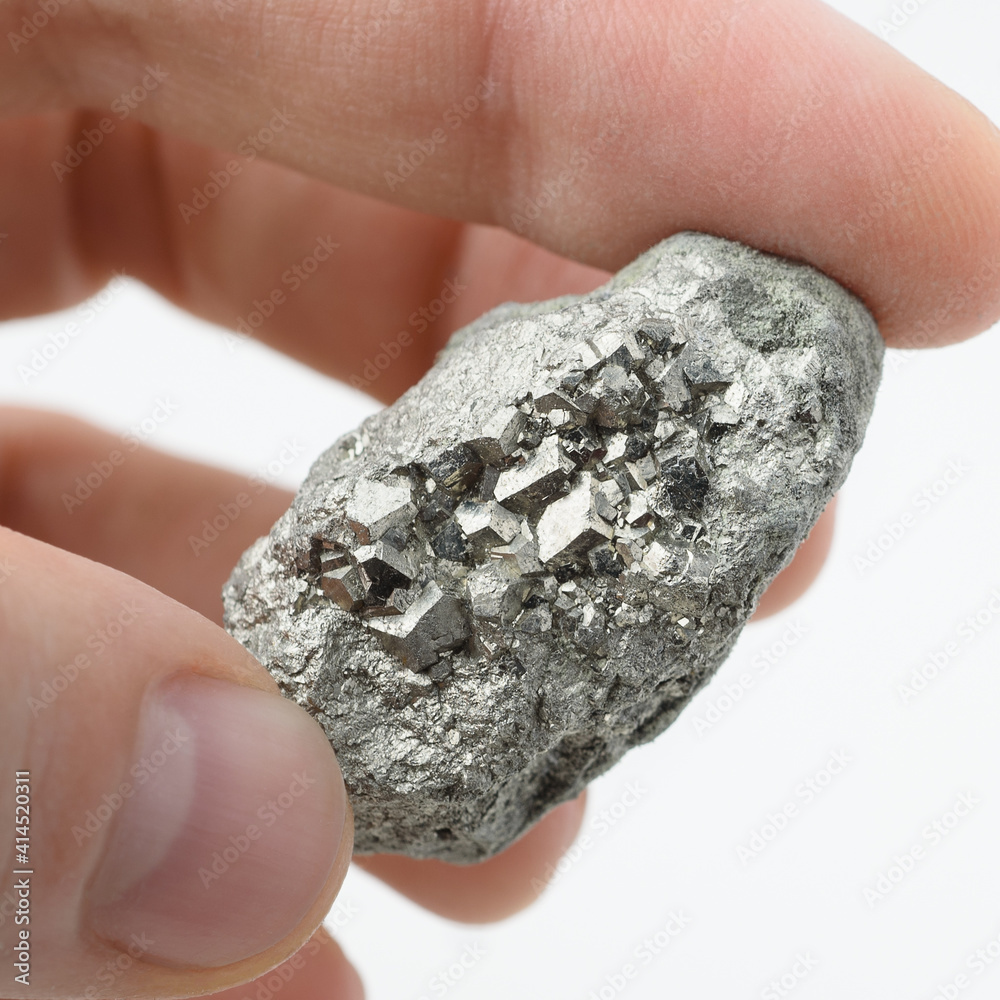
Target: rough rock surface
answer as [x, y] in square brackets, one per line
[528, 564]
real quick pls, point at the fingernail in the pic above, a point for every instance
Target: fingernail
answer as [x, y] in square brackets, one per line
[228, 830]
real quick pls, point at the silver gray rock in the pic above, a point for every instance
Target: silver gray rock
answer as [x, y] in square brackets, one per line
[529, 563]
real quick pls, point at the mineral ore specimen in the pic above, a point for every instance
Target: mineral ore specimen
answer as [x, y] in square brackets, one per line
[528, 564]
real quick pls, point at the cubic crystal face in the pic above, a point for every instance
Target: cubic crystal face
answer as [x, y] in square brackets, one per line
[528, 564]
[571, 527]
[434, 623]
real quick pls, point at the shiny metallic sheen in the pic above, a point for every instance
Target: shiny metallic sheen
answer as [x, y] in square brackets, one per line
[529, 564]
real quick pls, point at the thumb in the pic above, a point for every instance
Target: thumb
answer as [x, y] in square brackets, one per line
[177, 826]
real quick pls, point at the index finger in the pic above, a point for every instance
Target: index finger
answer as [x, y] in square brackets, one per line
[594, 129]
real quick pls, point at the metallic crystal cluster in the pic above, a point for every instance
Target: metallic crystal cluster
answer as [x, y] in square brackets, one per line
[531, 561]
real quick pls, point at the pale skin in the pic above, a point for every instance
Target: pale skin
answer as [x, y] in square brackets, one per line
[689, 103]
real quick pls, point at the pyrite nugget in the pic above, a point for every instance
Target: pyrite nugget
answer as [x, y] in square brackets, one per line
[529, 563]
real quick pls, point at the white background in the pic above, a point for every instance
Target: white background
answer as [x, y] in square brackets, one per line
[704, 790]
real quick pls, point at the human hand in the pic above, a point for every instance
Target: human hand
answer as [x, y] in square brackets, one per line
[780, 92]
